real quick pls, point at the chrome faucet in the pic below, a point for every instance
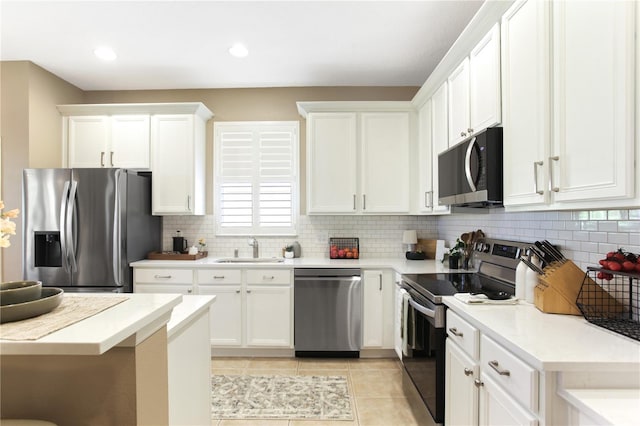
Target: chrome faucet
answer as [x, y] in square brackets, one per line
[254, 243]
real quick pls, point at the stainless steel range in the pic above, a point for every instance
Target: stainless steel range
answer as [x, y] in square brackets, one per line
[423, 325]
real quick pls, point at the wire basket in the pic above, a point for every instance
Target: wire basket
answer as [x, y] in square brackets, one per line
[344, 248]
[619, 308]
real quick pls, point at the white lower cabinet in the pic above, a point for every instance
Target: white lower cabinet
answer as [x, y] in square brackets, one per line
[377, 316]
[485, 384]
[254, 307]
[269, 316]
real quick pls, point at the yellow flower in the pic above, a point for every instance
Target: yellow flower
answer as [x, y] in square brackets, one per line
[7, 227]
[12, 213]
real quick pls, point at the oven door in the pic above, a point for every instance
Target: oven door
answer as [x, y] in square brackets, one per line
[424, 358]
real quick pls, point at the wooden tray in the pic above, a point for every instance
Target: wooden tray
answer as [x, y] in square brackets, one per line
[172, 255]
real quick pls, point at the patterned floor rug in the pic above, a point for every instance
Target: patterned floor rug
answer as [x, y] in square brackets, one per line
[280, 397]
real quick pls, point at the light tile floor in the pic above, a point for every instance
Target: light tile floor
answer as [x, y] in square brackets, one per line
[376, 386]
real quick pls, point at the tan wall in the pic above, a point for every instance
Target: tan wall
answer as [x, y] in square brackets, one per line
[260, 104]
[30, 127]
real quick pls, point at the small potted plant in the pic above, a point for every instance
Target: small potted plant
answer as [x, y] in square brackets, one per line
[289, 252]
[455, 254]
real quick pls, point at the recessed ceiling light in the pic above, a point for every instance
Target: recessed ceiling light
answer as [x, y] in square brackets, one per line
[238, 50]
[105, 53]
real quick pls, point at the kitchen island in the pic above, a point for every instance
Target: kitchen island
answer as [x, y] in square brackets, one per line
[112, 368]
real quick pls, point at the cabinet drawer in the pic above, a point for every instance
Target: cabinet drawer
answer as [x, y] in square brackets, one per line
[464, 334]
[161, 275]
[517, 378]
[268, 276]
[219, 276]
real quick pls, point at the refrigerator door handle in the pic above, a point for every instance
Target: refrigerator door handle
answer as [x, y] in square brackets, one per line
[117, 232]
[71, 238]
[64, 203]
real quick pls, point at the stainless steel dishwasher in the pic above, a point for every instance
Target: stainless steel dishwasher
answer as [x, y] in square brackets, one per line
[327, 312]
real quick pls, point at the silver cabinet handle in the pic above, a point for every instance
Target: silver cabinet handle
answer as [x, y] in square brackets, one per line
[248, 291]
[494, 364]
[162, 276]
[535, 177]
[468, 372]
[478, 383]
[268, 277]
[102, 159]
[455, 332]
[463, 134]
[428, 196]
[551, 187]
[354, 201]
[189, 202]
[380, 278]
[111, 158]
[190, 291]
[470, 130]
[364, 202]
[218, 277]
[237, 291]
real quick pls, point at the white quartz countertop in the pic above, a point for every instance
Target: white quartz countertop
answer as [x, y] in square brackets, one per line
[125, 324]
[552, 342]
[190, 308]
[400, 265]
[618, 407]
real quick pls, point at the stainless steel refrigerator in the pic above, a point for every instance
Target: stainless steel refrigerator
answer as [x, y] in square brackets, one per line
[82, 227]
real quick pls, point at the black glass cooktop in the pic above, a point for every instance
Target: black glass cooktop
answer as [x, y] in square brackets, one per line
[434, 286]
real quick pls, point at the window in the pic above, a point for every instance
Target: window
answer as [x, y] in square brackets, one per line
[256, 177]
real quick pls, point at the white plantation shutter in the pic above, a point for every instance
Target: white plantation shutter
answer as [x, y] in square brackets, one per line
[256, 178]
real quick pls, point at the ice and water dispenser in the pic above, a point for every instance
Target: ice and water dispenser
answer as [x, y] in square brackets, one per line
[48, 251]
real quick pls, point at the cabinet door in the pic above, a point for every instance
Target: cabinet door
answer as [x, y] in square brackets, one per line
[458, 86]
[461, 394]
[163, 288]
[484, 82]
[499, 408]
[331, 163]
[425, 160]
[385, 162]
[129, 142]
[88, 141]
[525, 101]
[593, 66]
[439, 140]
[225, 315]
[373, 309]
[269, 313]
[173, 162]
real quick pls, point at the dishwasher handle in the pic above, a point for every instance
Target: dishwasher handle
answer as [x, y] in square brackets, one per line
[328, 278]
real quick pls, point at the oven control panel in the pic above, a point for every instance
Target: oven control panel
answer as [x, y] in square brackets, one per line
[501, 252]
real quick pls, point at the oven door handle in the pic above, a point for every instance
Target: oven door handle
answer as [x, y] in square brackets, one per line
[425, 311]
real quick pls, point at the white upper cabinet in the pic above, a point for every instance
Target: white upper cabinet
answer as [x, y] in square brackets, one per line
[96, 137]
[331, 162]
[571, 143]
[384, 162]
[484, 82]
[474, 89]
[525, 101]
[592, 155]
[178, 164]
[432, 140]
[458, 84]
[357, 157]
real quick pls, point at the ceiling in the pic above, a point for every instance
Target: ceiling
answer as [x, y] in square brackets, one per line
[184, 44]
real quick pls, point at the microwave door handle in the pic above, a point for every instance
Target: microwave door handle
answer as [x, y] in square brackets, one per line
[467, 165]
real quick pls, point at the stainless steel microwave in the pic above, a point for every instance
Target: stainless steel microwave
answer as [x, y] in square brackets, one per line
[470, 172]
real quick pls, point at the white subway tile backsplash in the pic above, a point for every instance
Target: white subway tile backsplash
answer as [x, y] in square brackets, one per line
[583, 236]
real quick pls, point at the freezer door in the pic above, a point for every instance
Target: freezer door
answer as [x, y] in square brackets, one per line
[45, 255]
[96, 232]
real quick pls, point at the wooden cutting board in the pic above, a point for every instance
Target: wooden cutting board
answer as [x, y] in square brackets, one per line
[172, 255]
[428, 247]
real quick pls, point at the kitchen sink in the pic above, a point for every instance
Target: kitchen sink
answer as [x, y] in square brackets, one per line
[249, 260]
